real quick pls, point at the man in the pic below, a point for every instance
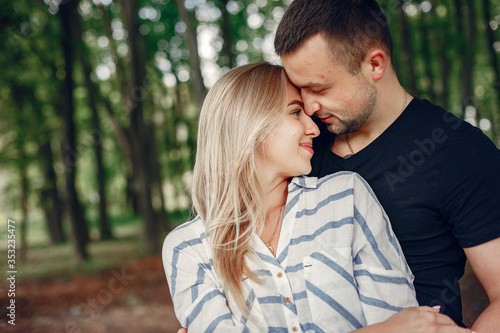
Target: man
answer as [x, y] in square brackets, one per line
[435, 175]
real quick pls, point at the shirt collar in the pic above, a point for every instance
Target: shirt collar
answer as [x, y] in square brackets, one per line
[305, 181]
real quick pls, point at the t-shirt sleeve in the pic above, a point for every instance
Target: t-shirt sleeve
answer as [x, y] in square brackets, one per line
[470, 188]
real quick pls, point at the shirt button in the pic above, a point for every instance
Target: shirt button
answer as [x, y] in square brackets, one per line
[279, 275]
[287, 299]
[294, 328]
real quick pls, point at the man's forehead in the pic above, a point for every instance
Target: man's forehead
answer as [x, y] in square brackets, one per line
[305, 80]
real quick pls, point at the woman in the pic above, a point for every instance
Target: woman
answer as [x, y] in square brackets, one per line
[270, 250]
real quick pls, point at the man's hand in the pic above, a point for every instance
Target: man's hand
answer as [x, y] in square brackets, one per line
[423, 319]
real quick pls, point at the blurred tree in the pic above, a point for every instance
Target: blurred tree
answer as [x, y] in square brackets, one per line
[22, 163]
[135, 72]
[446, 52]
[427, 58]
[137, 131]
[68, 16]
[488, 19]
[97, 133]
[227, 35]
[192, 41]
[467, 12]
[408, 53]
[49, 196]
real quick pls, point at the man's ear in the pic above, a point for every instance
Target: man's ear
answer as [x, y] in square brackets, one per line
[376, 59]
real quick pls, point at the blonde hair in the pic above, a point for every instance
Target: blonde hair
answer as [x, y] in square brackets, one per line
[238, 113]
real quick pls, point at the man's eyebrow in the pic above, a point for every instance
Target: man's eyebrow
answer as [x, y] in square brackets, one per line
[311, 84]
[295, 101]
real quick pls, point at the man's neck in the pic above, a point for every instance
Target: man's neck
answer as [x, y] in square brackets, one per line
[385, 113]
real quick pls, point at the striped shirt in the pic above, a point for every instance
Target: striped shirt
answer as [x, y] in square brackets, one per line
[338, 266]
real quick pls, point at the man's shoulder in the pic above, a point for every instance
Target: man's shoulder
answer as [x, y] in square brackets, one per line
[446, 128]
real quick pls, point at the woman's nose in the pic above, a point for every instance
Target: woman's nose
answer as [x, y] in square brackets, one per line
[311, 128]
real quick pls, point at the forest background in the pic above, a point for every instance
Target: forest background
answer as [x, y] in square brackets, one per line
[98, 112]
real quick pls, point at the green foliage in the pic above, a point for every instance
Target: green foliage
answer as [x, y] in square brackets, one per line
[33, 69]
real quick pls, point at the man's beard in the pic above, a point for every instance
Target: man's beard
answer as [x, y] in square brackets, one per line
[364, 111]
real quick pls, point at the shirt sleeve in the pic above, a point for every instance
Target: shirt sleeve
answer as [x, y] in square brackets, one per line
[384, 279]
[469, 188]
[199, 300]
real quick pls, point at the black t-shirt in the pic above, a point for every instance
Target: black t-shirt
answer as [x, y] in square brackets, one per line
[438, 179]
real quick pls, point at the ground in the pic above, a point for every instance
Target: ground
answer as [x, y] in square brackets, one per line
[131, 298]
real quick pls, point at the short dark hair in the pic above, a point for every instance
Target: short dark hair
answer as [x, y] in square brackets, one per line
[351, 28]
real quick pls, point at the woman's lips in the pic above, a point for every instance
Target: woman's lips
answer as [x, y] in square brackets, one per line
[307, 146]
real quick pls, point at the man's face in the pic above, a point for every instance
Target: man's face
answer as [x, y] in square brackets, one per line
[342, 100]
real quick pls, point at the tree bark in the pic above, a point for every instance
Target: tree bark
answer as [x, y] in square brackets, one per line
[426, 54]
[227, 35]
[156, 178]
[468, 91]
[137, 129]
[67, 14]
[466, 42]
[49, 196]
[121, 132]
[494, 62]
[191, 38]
[444, 39]
[408, 63]
[23, 225]
[105, 230]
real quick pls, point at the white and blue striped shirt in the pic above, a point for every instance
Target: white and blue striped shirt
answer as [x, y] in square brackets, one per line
[338, 266]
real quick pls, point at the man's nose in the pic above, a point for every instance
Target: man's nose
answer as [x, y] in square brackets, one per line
[310, 105]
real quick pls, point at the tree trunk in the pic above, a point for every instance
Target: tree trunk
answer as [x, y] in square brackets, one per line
[468, 91]
[227, 35]
[122, 134]
[67, 14]
[138, 130]
[19, 95]
[23, 200]
[494, 62]
[408, 63]
[97, 134]
[444, 39]
[465, 51]
[49, 196]
[426, 54]
[191, 38]
[156, 179]
[24, 211]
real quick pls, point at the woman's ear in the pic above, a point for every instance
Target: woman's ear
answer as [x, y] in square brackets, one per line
[376, 59]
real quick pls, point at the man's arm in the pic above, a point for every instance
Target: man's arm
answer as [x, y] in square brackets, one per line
[422, 319]
[485, 262]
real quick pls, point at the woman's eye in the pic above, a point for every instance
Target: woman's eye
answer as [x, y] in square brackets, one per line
[296, 112]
